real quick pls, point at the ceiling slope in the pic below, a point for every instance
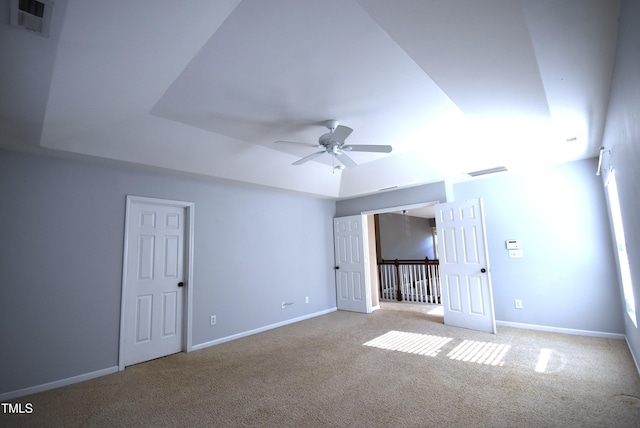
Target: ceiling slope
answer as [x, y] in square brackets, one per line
[207, 88]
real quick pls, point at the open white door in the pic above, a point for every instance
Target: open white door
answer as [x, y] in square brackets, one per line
[467, 297]
[352, 273]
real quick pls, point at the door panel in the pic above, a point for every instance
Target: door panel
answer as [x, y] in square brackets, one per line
[467, 295]
[146, 248]
[475, 296]
[171, 259]
[154, 302]
[453, 287]
[170, 314]
[352, 285]
[143, 318]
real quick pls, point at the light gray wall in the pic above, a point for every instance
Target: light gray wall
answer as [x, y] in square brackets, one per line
[390, 199]
[405, 237]
[622, 138]
[567, 277]
[62, 243]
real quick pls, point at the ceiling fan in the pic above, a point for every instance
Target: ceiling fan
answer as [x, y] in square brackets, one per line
[333, 143]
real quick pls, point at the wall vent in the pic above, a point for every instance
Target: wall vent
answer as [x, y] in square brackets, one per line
[32, 15]
[487, 171]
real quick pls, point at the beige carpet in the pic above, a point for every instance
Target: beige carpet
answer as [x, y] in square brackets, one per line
[319, 372]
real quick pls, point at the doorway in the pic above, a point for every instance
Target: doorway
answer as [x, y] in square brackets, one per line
[467, 295]
[356, 259]
[157, 279]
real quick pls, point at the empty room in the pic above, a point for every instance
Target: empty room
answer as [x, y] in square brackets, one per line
[320, 213]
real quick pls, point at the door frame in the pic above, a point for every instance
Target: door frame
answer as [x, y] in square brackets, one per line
[368, 261]
[187, 317]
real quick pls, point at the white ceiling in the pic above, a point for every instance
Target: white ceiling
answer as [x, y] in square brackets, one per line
[206, 87]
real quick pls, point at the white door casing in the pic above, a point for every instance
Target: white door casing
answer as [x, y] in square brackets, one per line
[467, 295]
[156, 280]
[351, 255]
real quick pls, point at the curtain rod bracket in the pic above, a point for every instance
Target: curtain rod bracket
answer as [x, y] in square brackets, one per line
[602, 151]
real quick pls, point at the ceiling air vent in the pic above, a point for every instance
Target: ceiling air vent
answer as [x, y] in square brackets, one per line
[32, 15]
[487, 171]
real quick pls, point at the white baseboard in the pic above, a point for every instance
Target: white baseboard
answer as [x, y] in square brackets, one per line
[635, 360]
[110, 370]
[561, 330]
[86, 376]
[259, 330]
[57, 384]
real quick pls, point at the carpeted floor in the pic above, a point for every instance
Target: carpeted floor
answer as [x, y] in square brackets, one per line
[397, 367]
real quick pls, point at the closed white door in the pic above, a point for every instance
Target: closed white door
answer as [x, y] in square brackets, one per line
[467, 297]
[154, 282]
[352, 281]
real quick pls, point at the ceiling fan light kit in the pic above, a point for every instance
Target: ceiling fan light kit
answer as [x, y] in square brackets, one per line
[333, 143]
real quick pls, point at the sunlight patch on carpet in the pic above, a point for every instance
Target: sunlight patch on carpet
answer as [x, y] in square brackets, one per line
[413, 343]
[480, 352]
[543, 360]
[439, 311]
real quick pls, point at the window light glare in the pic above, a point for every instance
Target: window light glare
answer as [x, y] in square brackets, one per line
[543, 360]
[623, 258]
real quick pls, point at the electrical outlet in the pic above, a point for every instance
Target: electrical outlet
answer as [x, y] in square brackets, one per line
[213, 320]
[518, 304]
[306, 299]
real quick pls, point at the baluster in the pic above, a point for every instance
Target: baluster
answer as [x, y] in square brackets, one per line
[409, 282]
[434, 283]
[427, 283]
[436, 271]
[399, 283]
[415, 283]
[412, 283]
[418, 283]
[385, 280]
[423, 284]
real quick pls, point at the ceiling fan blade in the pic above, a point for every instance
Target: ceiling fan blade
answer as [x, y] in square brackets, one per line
[308, 158]
[341, 133]
[346, 160]
[367, 148]
[297, 143]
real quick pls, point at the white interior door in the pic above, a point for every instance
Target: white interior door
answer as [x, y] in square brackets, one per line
[352, 273]
[154, 291]
[467, 297]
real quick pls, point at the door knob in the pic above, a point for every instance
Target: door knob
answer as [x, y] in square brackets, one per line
[483, 270]
[337, 267]
[181, 284]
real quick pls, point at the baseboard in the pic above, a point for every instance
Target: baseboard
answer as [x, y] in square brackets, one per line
[260, 330]
[635, 360]
[56, 384]
[561, 330]
[86, 376]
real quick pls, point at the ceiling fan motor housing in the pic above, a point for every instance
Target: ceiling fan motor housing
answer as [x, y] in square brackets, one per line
[331, 124]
